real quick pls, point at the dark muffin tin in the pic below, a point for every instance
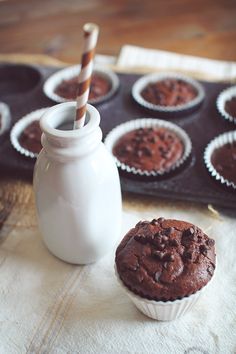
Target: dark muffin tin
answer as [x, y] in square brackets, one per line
[21, 89]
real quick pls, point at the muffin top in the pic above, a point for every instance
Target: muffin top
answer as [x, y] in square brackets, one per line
[165, 259]
[224, 161]
[99, 87]
[150, 149]
[30, 138]
[169, 92]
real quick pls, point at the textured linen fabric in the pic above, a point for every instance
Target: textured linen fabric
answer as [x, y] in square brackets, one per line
[136, 57]
[48, 306]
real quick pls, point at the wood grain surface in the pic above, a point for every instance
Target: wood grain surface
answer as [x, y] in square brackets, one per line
[204, 27]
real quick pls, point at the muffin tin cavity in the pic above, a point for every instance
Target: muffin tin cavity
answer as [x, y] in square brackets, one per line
[18, 79]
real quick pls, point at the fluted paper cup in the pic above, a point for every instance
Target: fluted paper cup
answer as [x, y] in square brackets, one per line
[163, 310]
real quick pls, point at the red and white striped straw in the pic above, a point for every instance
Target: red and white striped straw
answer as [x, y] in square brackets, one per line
[90, 40]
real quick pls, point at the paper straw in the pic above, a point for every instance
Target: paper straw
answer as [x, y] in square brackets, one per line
[90, 40]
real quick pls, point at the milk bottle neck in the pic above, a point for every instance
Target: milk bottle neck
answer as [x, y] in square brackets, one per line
[66, 145]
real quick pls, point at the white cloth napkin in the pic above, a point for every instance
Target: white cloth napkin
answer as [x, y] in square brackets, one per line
[132, 56]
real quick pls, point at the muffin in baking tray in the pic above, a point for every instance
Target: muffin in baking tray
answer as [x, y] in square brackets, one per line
[168, 92]
[149, 147]
[164, 265]
[63, 85]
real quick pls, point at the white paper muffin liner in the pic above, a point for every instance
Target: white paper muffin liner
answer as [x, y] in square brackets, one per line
[65, 74]
[214, 144]
[163, 310]
[224, 96]
[5, 117]
[116, 133]
[19, 127]
[141, 83]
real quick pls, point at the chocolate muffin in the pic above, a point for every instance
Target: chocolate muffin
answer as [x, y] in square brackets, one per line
[30, 138]
[99, 87]
[169, 92]
[165, 260]
[230, 106]
[149, 149]
[224, 161]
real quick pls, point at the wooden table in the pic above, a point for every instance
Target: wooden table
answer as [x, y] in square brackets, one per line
[202, 28]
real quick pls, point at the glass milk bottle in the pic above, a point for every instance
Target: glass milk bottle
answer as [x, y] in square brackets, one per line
[77, 188]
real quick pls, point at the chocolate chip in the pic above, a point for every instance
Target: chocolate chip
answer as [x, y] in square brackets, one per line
[157, 276]
[154, 222]
[168, 257]
[173, 243]
[210, 269]
[158, 234]
[142, 223]
[159, 255]
[139, 131]
[188, 236]
[169, 230]
[188, 255]
[172, 258]
[199, 239]
[160, 220]
[153, 139]
[203, 249]
[165, 265]
[150, 238]
[147, 151]
[139, 153]
[160, 246]
[190, 231]
[210, 242]
[164, 238]
[139, 276]
[129, 148]
[141, 239]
